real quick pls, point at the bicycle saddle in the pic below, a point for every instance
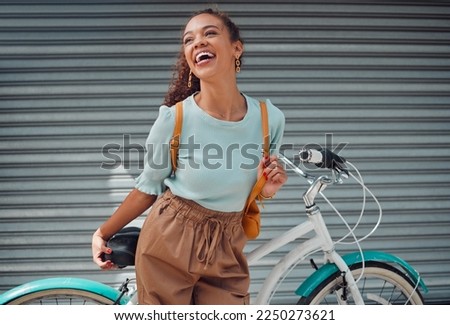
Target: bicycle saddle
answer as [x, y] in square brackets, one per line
[123, 246]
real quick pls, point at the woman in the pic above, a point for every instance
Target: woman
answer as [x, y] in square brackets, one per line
[190, 249]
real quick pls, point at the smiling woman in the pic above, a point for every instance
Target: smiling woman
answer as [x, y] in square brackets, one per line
[190, 248]
[186, 82]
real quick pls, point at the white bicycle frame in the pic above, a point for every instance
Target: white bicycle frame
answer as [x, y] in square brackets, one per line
[320, 241]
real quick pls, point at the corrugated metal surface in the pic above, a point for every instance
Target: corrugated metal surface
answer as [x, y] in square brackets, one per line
[77, 76]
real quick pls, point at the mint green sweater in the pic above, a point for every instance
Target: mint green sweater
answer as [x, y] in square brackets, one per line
[217, 163]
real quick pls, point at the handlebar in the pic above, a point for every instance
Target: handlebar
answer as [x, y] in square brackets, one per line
[322, 158]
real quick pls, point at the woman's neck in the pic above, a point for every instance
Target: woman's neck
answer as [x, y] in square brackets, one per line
[224, 102]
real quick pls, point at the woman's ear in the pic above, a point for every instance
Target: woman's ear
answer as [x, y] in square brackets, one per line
[238, 49]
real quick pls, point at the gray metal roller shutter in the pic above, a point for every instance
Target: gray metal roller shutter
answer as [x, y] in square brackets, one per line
[77, 76]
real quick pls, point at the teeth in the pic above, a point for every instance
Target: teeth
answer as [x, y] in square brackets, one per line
[203, 56]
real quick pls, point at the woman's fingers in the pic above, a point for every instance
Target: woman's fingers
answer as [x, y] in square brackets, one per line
[274, 171]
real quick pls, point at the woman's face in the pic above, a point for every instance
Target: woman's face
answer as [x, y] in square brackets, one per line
[208, 48]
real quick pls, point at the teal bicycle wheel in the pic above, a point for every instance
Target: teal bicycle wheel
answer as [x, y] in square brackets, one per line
[380, 284]
[61, 297]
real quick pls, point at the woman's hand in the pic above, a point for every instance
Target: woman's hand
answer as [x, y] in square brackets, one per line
[132, 207]
[275, 175]
[99, 249]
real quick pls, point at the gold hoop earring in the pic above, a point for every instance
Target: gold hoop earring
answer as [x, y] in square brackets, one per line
[238, 65]
[190, 79]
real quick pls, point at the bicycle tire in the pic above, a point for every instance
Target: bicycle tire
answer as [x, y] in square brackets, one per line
[381, 284]
[61, 297]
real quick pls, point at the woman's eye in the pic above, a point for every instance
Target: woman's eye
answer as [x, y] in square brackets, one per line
[189, 40]
[210, 32]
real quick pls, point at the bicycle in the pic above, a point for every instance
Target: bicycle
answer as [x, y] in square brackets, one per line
[362, 277]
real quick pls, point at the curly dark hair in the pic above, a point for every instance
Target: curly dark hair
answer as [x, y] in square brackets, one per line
[178, 88]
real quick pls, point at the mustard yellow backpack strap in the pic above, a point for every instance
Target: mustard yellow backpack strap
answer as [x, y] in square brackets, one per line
[266, 149]
[176, 137]
[265, 128]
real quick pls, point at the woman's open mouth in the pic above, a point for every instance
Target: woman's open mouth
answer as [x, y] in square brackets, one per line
[204, 57]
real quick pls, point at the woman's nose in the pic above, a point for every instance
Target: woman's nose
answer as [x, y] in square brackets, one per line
[200, 42]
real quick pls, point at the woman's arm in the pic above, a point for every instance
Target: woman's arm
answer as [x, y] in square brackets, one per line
[133, 206]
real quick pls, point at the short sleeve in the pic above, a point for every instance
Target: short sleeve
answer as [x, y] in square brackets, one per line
[157, 164]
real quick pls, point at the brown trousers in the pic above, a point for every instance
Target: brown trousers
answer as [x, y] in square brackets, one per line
[188, 254]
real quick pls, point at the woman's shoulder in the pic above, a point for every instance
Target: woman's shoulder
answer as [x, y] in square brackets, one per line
[165, 120]
[274, 112]
[166, 112]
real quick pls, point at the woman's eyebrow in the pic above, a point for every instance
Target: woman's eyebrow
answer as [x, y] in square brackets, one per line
[203, 28]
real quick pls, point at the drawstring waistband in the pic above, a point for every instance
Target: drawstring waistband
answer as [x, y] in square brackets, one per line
[212, 222]
[212, 231]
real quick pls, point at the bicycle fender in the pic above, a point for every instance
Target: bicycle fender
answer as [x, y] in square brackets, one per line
[327, 270]
[62, 283]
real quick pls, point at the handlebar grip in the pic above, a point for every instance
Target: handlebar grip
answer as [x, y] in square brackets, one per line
[312, 156]
[323, 158]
